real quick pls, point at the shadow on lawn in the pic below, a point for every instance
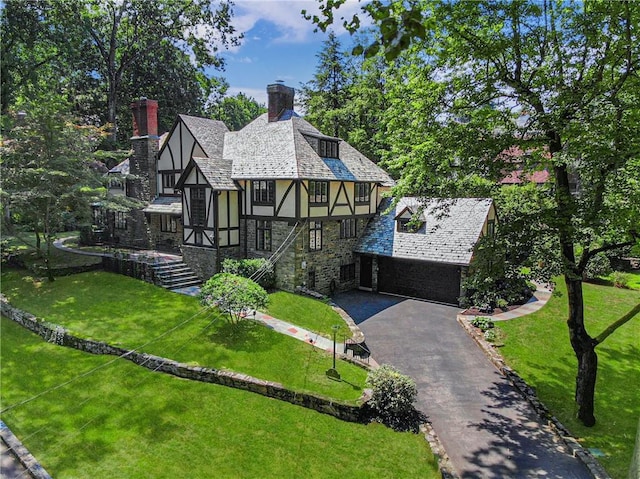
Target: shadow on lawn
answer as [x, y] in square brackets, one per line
[246, 335]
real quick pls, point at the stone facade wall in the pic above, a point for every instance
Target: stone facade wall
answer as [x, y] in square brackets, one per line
[326, 262]
[204, 261]
[165, 240]
[56, 334]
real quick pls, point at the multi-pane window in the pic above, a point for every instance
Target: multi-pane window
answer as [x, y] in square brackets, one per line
[362, 193]
[168, 180]
[168, 224]
[348, 272]
[263, 235]
[263, 192]
[198, 207]
[315, 235]
[328, 148]
[348, 228]
[318, 192]
[120, 220]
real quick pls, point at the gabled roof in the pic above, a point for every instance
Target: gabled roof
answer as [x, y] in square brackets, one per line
[217, 172]
[121, 168]
[451, 229]
[281, 150]
[208, 133]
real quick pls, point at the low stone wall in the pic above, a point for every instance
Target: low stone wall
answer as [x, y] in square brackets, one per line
[31, 465]
[595, 468]
[130, 267]
[58, 335]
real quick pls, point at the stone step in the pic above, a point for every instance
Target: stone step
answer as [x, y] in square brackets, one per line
[183, 284]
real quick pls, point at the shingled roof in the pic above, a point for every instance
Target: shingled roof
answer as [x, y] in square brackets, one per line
[208, 133]
[281, 150]
[450, 230]
[216, 171]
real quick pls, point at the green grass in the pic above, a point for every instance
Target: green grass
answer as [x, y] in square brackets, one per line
[125, 421]
[129, 313]
[538, 347]
[633, 280]
[307, 313]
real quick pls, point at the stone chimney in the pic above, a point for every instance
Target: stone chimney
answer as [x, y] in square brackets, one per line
[145, 117]
[142, 166]
[280, 98]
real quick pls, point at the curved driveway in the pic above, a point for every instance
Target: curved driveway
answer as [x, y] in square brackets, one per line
[487, 428]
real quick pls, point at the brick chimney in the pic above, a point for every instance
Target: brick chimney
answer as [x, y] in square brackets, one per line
[145, 117]
[280, 99]
[142, 166]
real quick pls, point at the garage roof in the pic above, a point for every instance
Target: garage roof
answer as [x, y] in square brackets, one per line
[449, 231]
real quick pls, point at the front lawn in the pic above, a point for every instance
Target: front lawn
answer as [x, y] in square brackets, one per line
[537, 346]
[123, 421]
[130, 313]
[307, 313]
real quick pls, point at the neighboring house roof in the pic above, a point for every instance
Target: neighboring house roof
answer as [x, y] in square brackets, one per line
[280, 150]
[216, 171]
[121, 168]
[450, 230]
[208, 133]
[168, 205]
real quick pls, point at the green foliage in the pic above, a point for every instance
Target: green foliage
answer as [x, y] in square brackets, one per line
[235, 295]
[483, 323]
[620, 279]
[260, 270]
[236, 111]
[393, 396]
[49, 179]
[598, 266]
[490, 335]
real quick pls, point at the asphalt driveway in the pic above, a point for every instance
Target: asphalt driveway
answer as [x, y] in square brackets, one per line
[486, 427]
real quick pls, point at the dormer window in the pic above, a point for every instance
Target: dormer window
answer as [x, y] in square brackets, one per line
[328, 148]
[405, 222]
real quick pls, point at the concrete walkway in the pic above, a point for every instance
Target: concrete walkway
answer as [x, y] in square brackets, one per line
[486, 426]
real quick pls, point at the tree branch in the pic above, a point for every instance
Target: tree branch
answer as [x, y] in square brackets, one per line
[612, 327]
[588, 254]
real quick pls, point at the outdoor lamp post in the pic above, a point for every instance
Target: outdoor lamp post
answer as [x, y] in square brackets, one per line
[333, 372]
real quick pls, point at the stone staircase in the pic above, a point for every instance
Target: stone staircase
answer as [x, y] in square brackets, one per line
[175, 275]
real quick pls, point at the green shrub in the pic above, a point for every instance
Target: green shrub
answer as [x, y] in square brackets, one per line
[620, 279]
[260, 270]
[483, 323]
[599, 265]
[393, 395]
[235, 295]
[490, 335]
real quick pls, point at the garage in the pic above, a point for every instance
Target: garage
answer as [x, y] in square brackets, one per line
[419, 279]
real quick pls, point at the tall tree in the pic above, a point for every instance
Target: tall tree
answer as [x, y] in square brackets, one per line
[47, 170]
[325, 97]
[559, 80]
[236, 111]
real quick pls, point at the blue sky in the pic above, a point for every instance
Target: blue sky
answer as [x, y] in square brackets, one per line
[279, 44]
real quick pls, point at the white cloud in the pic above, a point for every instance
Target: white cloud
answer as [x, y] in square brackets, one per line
[285, 15]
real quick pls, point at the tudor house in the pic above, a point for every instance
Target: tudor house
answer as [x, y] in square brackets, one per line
[281, 189]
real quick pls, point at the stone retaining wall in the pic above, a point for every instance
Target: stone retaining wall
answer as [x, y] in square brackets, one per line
[58, 335]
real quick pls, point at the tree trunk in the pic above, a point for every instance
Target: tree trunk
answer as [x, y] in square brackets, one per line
[584, 348]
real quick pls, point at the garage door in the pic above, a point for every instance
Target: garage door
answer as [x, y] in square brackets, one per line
[419, 279]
